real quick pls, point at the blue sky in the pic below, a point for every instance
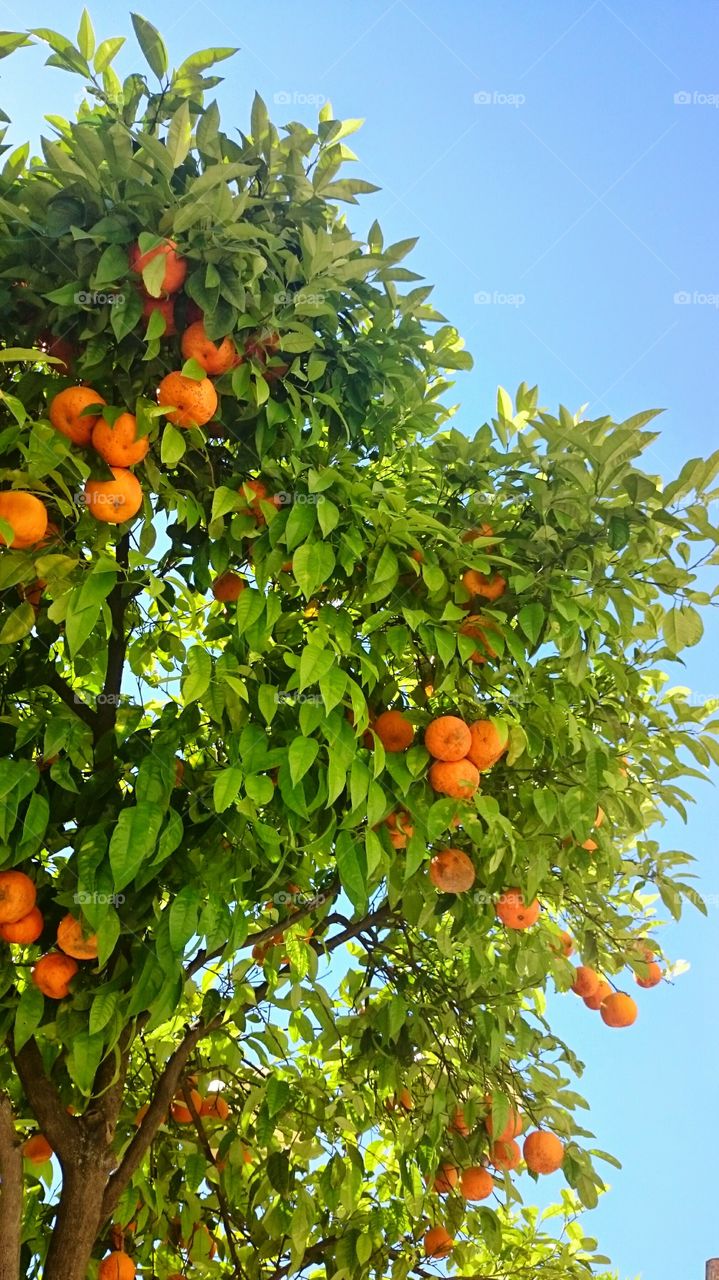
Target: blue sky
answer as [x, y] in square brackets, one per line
[540, 154]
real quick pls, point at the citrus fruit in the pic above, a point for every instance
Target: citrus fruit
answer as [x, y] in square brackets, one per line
[193, 400]
[447, 738]
[17, 896]
[114, 501]
[215, 358]
[175, 265]
[619, 1010]
[25, 930]
[53, 973]
[514, 912]
[451, 871]
[543, 1152]
[66, 413]
[26, 515]
[74, 940]
[456, 778]
[486, 745]
[119, 445]
[394, 731]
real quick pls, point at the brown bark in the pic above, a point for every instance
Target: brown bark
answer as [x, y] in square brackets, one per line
[77, 1224]
[712, 1270]
[11, 1193]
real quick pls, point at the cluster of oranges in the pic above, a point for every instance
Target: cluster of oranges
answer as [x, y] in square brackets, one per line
[617, 1009]
[543, 1154]
[21, 922]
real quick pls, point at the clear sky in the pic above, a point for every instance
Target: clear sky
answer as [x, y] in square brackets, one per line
[540, 153]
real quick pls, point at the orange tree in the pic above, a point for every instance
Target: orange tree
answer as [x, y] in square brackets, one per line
[273, 973]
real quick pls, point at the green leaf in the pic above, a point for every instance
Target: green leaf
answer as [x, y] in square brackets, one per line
[152, 45]
[18, 624]
[227, 787]
[352, 868]
[28, 1015]
[86, 36]
[106, 51]
[83, 1059]
[133, 840]
[81, 622]
[300, 523]
[302, 755]
[102, 1009]
[312, 565]
[199, 673]
[682, 627]
[173, 445]
[314, 664]
[179, 134]
[184, 913]
[531, 620]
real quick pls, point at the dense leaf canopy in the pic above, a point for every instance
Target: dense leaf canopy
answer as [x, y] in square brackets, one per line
[197, 780]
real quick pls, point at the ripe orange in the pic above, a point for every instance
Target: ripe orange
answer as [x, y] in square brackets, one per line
[417, 555]
[53, 974]
[166, 308]
[486, 745]
[114, 501]
[32, 592]
[400, 828]
[484, 531]
[505, 1154]
[119, 445]
[74, 940]
[476, 627]
[179, 1110]
[451, 871]
[445, 1179]
[194, 400]
[17, 896]
[27, 929]
[66, 413]
[228, 587]
[651, 979]
[590, 845]
[437, 1243]
[116, 1266]
[478, 584]
[543, 1152]
[459, 1124]
[260, 494]
[619, 1010]
[456, 778]
[447, 738]
[37, 1149]
[26, 515]
[476, 1183]
[595, 1001]
[512, 1128]
[213, 357]
[586, 981]
[564, 944]
[214, 1107]
[514, 913]
[175, 265]
[394, 731]
[600, 816]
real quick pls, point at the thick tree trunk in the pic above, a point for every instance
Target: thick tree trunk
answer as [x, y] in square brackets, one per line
[78, 1220]
[11, 1192]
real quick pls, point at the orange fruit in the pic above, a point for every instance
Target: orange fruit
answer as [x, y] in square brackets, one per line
[260, 494]
[26, 515]
[175, 265]
[445, 1179]
[543, 1152]
[586, 981]
[417, 555]
[651, 979]
[564, 944]
[394, 730]
[478, 584]
[600, 816]
[619, 1010]
[166, 308]
[116, 1266]
[512, 1128]
[476, 627]
[400, 828]
[514, 912]
[119, 445]
[27, 929]
[53, 973]
[456, 778]
[214, 1107]
[505, 1154]
[590, 845]
[179, 1110]
[194, 401]
[486, 744]
[33, 592]
[17, 896]
[484, 531]
[596, 1000]
[37, 1149]
[228, 587]
[74, 940]
[447, 738]
[114, 501]
[459, 1124]
[66, 413]
[437, 1243]
[405, 1099]
[213, 357]
[451, 871]
[476, 1183]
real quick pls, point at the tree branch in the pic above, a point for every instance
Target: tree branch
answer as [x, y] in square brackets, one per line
[11, 1192]
[44, 1098]
[59, 684]
[165, 1091]
[221, 1198]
